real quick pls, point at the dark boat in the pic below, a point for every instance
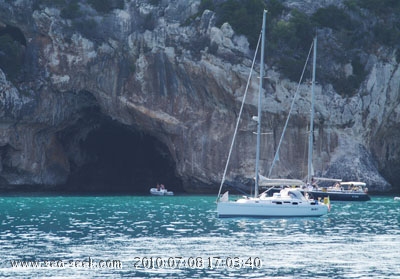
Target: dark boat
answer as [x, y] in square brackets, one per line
[341, 191]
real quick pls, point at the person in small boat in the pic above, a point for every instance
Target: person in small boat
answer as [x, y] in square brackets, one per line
[162, 187]
[158, 187]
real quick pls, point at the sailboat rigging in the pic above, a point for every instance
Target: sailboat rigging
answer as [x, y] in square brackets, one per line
[311, 133]
[351, 191]
[288, 202]
[343, 191]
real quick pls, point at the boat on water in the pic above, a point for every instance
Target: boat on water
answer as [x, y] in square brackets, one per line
[160, 192]
[397, 198]
[335, 189]
[288, 202]
[340, 191]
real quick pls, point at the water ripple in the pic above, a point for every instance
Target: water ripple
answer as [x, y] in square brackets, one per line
[355, 240]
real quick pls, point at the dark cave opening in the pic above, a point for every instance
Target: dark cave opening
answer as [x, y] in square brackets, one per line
[119, 159]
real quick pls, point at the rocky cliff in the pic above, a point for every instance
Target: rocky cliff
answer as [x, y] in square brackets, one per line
[150, 92]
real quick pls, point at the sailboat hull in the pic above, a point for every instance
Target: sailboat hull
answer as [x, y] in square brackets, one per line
[286, 203]
[263, 209]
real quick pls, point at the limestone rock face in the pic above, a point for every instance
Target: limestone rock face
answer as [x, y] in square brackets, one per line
[182, 84]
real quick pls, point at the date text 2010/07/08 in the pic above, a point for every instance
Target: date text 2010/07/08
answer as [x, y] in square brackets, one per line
[197, 262]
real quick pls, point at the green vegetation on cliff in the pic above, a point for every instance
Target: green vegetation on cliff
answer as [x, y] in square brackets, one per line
[290, 32]
[11, 56]
[243, 16]
[72, 8]
[105, 6]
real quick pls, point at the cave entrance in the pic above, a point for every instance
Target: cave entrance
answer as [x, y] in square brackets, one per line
[118, 159]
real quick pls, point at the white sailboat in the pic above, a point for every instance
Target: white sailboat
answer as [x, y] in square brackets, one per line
[289, 202]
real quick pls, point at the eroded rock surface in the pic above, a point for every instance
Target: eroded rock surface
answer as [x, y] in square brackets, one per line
[143, 70]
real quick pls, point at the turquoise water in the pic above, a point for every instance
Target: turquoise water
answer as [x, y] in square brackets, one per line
[118, 236]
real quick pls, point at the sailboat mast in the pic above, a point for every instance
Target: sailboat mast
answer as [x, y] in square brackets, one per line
[260, 90]
[310, 141]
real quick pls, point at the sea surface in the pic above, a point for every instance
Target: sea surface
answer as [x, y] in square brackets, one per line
[46, 236]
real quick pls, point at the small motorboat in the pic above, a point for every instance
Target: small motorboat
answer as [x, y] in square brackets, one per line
[397, 198]
[161, 192]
